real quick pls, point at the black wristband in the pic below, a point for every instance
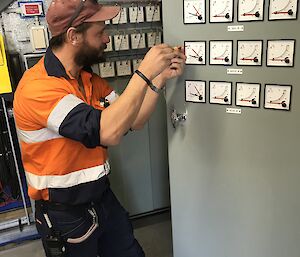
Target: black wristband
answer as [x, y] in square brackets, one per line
[148, 82]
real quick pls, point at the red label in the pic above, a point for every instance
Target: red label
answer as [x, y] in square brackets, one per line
[32, 9]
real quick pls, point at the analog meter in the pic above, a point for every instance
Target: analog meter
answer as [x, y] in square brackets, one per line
[249, 52]
[281, 53]
[278, 97]
[220, 10]
[247, 94]
[121, 18]
[283, 9]
[220, 92]
[194, 11]
[195, 91]
[195, 52]
[220, 52]
[136, 14]
[250, 10]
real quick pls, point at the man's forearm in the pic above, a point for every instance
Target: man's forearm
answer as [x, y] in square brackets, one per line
[148, 105]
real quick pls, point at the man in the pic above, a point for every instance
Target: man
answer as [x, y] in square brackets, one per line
[64, 130]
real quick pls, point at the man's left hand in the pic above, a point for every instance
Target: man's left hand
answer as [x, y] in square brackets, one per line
[177, 65]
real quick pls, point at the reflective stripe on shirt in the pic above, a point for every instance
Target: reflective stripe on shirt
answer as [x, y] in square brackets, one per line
[61, 110]
[37, 136]
[68, 180]
[113, 96]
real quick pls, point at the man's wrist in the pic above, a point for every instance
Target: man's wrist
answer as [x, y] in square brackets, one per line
[159, 82]
[148, 82]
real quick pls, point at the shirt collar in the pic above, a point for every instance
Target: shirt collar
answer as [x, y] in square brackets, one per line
[55, 68]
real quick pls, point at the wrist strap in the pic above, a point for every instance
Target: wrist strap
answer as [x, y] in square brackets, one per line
[148, 82]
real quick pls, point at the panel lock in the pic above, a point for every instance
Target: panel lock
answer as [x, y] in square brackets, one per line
[177, 118]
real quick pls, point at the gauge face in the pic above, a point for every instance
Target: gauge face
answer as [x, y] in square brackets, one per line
[220, 92]
[220, 10]
[249, 52]
[195, 91]
[251, 10]
[220, 53]
[194, 11]
[281, 53]
[278, 97]
[283, 9]
[247, 94]
[195, 52]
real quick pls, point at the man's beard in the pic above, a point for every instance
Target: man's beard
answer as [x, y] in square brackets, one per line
[88, 55]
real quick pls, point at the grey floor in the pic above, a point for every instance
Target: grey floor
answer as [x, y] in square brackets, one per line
[152, 232]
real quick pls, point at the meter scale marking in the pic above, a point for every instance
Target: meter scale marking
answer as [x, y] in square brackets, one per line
[197, 14]
[280, 57]
[279, 101]
[250, 98]
[222, 96]
[222, 57]
[198, 57]
[249, 57]
[250, 13]
[284, 11]
[222, 14]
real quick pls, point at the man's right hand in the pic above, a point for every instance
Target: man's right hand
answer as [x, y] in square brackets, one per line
[157, 59]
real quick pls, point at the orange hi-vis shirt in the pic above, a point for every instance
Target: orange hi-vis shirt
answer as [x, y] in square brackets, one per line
[59, 132]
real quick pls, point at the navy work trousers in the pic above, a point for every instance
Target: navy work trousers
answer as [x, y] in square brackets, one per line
[112, 237]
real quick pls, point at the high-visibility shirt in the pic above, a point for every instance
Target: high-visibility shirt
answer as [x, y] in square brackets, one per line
[59, 132]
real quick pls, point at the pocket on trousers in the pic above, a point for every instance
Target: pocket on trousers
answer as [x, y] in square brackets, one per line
[74, 227]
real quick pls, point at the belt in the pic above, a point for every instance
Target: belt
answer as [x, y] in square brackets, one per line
[44, 205]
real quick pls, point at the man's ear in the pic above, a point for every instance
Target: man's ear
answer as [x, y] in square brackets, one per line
[72, 36]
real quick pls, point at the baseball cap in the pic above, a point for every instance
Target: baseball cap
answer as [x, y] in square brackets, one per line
[63, 14]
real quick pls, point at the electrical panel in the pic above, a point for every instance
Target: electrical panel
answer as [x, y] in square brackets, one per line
[242, 51]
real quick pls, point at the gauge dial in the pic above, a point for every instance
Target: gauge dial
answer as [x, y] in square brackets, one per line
[281, 53]
[221, 10]
[249, 52]
[278, 97]
[250, 10]
[195, 52]
[195, 91]
[220, 53]
[220, 92]
[283, 9]
[194, 11]
[247, 94]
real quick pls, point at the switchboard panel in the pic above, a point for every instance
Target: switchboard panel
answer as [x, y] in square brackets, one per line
[233, 128]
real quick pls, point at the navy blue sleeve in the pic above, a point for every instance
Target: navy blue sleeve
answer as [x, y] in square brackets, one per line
[82, 124]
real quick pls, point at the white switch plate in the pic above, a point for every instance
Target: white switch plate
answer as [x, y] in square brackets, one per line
[233, 110]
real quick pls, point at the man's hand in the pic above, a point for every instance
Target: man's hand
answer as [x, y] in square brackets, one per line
[176, 67]
[157, 59]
